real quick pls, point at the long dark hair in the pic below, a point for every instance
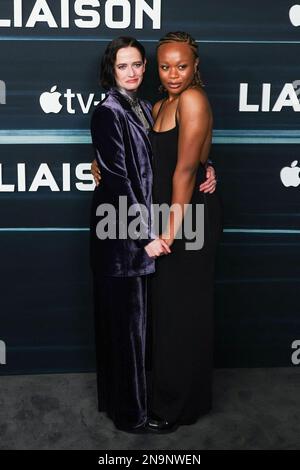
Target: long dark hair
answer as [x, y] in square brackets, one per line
[107, 75]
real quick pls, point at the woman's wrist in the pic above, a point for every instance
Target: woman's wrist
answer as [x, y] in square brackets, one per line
[167, 238]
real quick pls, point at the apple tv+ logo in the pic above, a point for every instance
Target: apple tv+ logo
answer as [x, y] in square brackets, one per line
[294, 14]
[50, 101]
[289, 175]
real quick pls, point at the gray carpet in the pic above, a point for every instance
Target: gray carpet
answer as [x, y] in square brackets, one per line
[253, 409]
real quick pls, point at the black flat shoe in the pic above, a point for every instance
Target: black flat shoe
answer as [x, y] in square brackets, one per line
[160, 426]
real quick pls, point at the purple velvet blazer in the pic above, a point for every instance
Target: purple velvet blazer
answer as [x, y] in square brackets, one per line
[123, 151]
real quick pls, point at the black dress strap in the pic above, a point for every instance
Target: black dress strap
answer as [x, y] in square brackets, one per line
[176, 120]
[161, 105]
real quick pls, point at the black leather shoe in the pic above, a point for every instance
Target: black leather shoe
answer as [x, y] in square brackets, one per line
[160, 426]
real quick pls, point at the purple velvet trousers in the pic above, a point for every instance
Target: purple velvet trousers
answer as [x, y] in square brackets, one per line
[120, 329]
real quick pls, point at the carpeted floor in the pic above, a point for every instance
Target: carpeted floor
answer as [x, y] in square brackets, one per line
[253, 409]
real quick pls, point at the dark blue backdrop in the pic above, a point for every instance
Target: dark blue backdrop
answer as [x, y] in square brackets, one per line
[46, 310]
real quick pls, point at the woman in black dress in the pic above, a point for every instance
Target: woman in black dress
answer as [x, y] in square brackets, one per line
[182, 286]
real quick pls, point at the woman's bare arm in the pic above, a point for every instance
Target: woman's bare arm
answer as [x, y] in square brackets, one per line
[195, 125]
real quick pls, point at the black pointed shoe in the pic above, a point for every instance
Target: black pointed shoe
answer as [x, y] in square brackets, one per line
[160, 426]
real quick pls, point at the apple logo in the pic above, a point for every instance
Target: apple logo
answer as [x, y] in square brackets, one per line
[294, 14]
[49, 101]
[290, 175]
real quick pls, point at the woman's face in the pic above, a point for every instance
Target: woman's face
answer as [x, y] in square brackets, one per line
[176, 66]
[129, 68]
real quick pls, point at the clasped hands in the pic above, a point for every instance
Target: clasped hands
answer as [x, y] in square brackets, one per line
[158, 247]
[161, 245]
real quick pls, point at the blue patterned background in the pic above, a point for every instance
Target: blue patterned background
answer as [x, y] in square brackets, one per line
[46, 309]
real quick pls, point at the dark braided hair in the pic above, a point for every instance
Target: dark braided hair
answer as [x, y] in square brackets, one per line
[181, 36]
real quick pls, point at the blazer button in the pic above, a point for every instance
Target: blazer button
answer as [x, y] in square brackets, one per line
[144, 175]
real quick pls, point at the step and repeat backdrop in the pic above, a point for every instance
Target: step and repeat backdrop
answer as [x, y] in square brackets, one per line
[50, 53]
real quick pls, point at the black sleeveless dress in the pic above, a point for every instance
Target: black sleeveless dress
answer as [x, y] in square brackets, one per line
[182, 301]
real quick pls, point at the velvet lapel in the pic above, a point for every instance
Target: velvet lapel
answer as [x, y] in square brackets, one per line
[147, 113]
[130, 113]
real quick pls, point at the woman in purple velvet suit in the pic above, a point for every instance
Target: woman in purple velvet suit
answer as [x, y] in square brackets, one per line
[119, 128]
[121, 265]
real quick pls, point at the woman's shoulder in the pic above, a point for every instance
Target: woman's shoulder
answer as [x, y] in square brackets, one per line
[193, 102]
[108, 109]
[193, 96]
